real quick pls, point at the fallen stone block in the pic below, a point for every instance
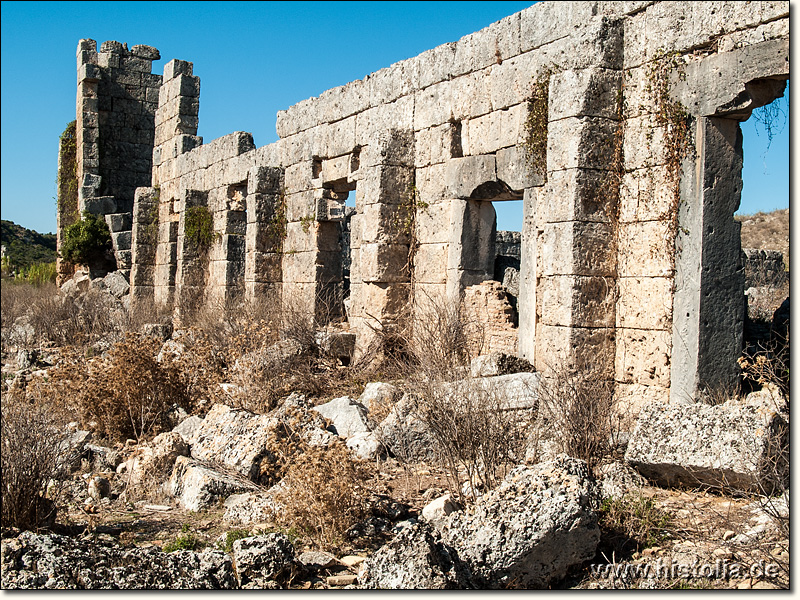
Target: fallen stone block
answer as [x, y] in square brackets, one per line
[188, 428]
[252, 507]
[378, 394]
[735, 446]
[415, 559]
[198, 486]
[404, 434]
[347, 415]
[262, 558]
[508, 392]
[531, 528]
[438, 510]
[366, 446]
[50, 561]
[236, 438]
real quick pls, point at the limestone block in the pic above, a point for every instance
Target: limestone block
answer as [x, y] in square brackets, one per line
[119, 222]
[235, 438]
[483, 135]
[100, 205]
[386, 224]
[577, 248]
[235, 170]
[507, 37]
[198, 487]
[336, 138]
[646, 249]
[471, 94]
[575, 348]
[121, 240]
[464, 176]
[430, 222]
[513, 169]
[430, 263]
[300, 237]
[386, 185]
[586, 142]
[348, 416]
[646, 195]
[645, 144]
[337, 103]
[433, 105]
[476, 51]
[590, 92]
[645, 302]
[761, 33]
[355, 231]
[631, 397]
[299, 267]
[379, 120]
[430, 182]
[384, 263]
[531, 529]
[575, 194]
[512, 80]
[89, 73]
[335, 169]
[543, 23]
[390, 83]
[436, 64]
[224, 273]
[577, 301]
[734, 446]
[301, 205]
[263, 267]
[436, 145]
[472, 228]
[383, 301]
[643, 356]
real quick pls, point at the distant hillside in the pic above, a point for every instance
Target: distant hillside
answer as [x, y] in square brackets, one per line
[766, 231]
[25, 247]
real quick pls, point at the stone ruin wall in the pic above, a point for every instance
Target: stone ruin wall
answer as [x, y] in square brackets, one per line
[625, 267]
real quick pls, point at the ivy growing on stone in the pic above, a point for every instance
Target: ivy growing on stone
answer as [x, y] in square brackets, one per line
[199, 227]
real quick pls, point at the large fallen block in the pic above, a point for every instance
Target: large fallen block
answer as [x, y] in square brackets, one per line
[735, 446]
[530, 529]
[198, 486]
[235, 438]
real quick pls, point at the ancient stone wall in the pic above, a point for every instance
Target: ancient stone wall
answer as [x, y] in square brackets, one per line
[615, 122]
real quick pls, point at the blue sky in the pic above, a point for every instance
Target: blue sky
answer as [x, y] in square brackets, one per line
[253, 59]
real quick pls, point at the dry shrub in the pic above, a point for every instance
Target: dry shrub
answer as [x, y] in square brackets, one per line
[631, 524]
[32, 438]
[578, 411]
[127, 392]
[477, 436]
[324, 494]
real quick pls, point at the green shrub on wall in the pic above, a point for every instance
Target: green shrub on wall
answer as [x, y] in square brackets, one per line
[86, 241]
[199, 227]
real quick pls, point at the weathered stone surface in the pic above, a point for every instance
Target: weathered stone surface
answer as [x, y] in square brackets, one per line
[415, 559]
[404, 435]
[197, 486]
[732, 446]
[252, 507]
[378, 394]
[262, 558]
[50, 561]
[530, 529]
[188, 428]
[235, 438]
[435, 512]
[348, 416]
[366, 446]
[617, 479]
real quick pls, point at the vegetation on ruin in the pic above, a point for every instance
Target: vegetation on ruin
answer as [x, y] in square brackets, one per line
[404, 221]
[673, 118]
[199, 227]
[86, 241]
[67, 183]
[535, 136]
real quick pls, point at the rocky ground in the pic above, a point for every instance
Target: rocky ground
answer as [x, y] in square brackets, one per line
[192, 505]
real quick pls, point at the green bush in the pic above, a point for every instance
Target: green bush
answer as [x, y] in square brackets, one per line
[230, 537]
[183, 541]
[86, 241]
[199, 226]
